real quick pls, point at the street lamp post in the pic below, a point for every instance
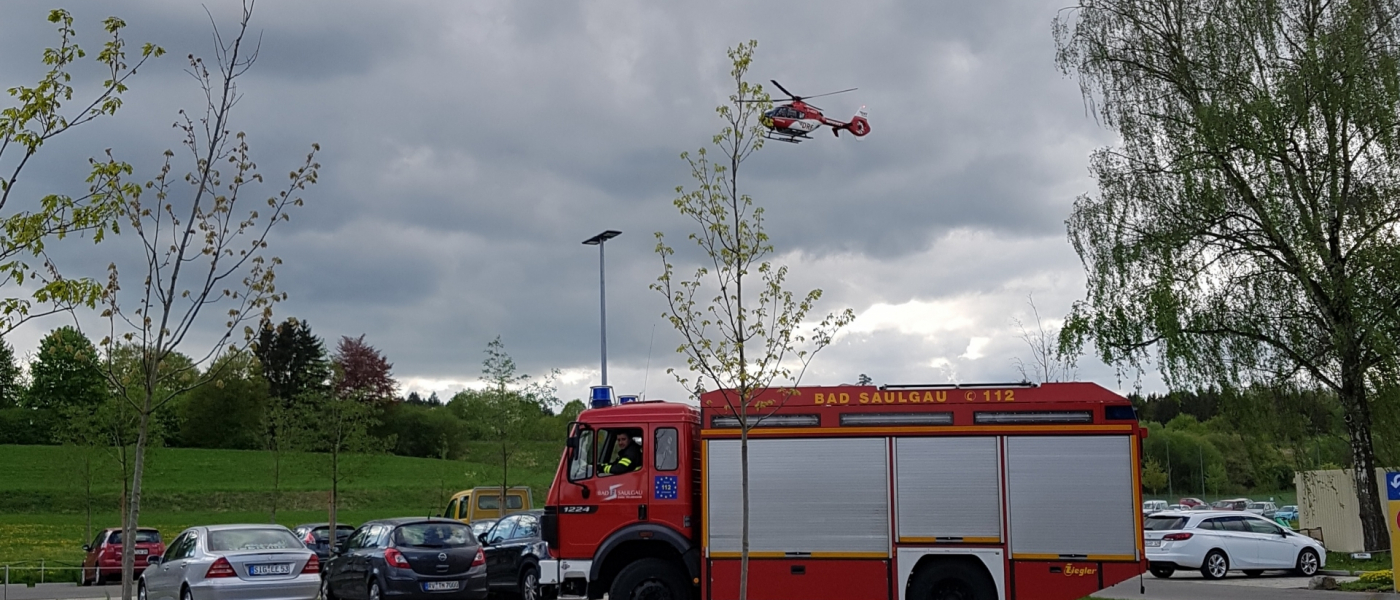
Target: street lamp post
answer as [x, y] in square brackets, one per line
[598, 240]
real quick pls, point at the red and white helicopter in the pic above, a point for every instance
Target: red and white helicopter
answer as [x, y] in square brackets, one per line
[793, 120]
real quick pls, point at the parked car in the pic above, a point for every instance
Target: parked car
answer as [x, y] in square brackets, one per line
[514, 550]
[316, 536]
[480, 527]
[1192, 502]
[1289, 512]
[407, 558]
[246, 562]
[1231, 504]
[1177, 507]
[1263, 509]
[1217, 542]
[104, 555]
[1152, 506]
[479, 503]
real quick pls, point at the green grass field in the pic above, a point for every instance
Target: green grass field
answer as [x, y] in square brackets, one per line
[43, 491]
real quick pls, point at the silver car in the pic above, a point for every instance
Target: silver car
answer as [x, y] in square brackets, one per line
[233, 562]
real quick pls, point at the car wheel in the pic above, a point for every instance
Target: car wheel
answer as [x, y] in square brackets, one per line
[141, 591]
[326, 590]
[1253, 572]
[530, 584]
[374, 590]
[1162, 571]
[186, 594]
[1216, 565]
[1308, 563]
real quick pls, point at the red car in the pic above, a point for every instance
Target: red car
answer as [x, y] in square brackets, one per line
[104, 555]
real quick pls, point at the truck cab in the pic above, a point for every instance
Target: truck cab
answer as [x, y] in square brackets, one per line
[480, 503]
[602, 516]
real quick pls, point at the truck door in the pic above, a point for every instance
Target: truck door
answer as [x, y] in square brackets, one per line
[613, 464]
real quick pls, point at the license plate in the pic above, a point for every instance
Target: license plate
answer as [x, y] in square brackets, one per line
[272, 569]
[1154, 543]
[441, 586]
[142, 551]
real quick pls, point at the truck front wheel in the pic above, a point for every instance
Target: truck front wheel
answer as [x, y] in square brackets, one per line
[952, 580]
[650, 579]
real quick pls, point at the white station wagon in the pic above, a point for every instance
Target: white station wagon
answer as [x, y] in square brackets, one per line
[1219, 541]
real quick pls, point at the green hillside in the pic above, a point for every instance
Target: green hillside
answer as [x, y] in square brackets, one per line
[43, 491]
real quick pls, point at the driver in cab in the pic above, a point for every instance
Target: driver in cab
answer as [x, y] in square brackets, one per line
[628, 457]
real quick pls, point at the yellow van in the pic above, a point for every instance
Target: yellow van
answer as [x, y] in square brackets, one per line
[485, 503]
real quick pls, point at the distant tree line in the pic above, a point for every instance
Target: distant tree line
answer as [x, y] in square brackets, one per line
[273, 397]
[1217, 442]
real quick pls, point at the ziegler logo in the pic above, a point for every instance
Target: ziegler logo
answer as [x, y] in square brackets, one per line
[614, 493]
[1073, 571]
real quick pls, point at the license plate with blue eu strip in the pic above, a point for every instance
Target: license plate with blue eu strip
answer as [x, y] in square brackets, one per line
[270, 569]
[441, 586]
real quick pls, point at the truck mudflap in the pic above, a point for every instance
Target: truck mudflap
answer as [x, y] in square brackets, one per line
[552, 572]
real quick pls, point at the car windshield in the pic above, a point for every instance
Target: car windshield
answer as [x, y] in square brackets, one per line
[143, 536]
[237, 540]
[434, 535]
[1259, 505]
[321, 534]
[1163, 523]
[1290, 507]
[481, 527]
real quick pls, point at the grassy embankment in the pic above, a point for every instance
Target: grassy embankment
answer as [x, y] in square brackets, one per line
[43, 491]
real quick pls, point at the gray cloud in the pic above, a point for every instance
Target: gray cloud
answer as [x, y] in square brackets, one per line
[470, 147]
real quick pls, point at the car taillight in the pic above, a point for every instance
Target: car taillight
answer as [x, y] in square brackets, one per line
[312, 566]
[220, 568]
[395, 558]
[1176, 537]
[308, 540]
[480, 558]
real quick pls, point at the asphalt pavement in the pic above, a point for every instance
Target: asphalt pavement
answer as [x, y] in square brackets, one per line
[1191, 586]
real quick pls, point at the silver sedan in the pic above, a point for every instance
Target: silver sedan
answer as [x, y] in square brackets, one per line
[233, 562]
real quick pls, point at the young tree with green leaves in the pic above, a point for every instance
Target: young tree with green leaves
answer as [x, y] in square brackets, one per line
[295, 365]
[508, 411]
[338, 426]
[202, 246]
[742, 331]
[1247, 227]
[41, 113]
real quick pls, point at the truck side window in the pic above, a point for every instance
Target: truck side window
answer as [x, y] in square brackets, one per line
[451, 511]
[581, 467]
[666, 455]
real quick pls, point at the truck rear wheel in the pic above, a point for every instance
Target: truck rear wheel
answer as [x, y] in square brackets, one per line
[952, 580]
[649, 579]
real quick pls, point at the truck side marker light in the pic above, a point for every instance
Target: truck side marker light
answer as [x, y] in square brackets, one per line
[1059, 416]
[885, 419]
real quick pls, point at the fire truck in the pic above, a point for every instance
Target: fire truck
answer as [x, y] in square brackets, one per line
[930, 492]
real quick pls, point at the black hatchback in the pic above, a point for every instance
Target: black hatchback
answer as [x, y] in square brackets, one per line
[407, 558]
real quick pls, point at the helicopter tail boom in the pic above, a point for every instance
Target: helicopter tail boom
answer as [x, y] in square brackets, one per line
[859, 125]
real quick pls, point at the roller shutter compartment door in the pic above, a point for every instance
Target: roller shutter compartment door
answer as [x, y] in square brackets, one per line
[948, 488]
[1071, 495]
[805, 495]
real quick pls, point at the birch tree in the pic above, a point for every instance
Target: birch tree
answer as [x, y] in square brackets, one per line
[742, 332]
[1246, 229]
[202, 247]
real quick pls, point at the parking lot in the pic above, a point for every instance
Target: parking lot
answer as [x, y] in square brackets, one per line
[1191, 586]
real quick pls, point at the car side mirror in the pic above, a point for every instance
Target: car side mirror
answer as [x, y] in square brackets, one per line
[87, 548]
[154, 560]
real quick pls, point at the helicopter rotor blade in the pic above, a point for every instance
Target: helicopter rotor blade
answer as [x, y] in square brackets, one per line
[832, 93]
[780, 86]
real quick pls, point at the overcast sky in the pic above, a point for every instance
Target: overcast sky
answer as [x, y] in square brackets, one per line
[469, 147]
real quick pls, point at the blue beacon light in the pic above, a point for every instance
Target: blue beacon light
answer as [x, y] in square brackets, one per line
[601, 396]
[626, 399]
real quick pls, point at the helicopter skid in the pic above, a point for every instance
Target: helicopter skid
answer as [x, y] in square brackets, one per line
[791, 139]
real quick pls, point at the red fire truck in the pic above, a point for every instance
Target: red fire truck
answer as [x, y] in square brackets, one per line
[891, 493]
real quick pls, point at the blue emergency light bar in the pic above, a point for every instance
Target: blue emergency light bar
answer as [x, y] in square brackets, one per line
[626, 399]
[601, 395]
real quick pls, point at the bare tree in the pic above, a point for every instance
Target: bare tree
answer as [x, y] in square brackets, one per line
[739, 341]
[201, 247]
[1049, 361]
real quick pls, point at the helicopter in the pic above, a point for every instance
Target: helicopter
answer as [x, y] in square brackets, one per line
[793, 120]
